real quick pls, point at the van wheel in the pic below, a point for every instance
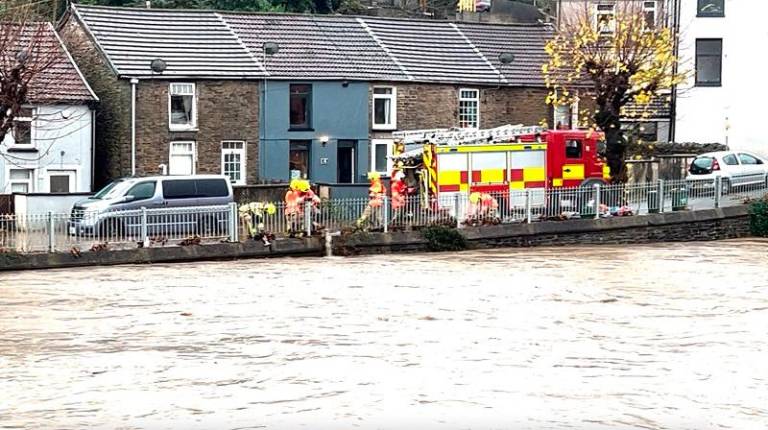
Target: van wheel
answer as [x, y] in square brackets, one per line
[111, 229]
[206, 226]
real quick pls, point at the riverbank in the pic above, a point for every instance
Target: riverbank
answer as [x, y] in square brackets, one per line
[702, 225]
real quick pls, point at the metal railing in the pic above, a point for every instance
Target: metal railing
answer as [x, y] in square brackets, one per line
[83, 231]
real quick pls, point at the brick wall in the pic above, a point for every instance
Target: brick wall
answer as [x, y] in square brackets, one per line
[226, 110]
[437, 106]
[113, 112]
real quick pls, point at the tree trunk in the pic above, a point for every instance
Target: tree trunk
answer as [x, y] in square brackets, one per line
[616, 144]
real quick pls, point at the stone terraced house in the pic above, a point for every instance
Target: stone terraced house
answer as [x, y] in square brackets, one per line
[268, 97]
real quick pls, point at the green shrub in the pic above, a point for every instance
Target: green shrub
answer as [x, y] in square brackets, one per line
[758, 217]
[442, 238]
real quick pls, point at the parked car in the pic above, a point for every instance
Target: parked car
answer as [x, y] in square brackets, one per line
[736, 169]
[116, 208]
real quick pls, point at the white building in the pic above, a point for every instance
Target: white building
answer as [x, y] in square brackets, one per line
[722, 44]
[50, 148]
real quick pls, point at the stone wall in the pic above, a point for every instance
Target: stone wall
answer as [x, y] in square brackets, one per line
[226, 110]
[113, 112]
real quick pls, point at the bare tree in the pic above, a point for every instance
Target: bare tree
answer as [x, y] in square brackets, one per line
[29, 52]
[619, 53]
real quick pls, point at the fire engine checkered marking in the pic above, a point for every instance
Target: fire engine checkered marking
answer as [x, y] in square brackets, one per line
[573, 171]
[533, 174]
[449, 177]
[493, 176]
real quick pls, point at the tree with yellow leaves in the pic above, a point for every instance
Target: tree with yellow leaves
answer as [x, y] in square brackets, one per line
[616, 55]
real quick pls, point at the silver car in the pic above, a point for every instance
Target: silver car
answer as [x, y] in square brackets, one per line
[116, 208]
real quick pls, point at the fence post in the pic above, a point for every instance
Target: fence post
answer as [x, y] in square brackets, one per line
[456, 207]
[308, 218]
[385, 215]
[661, 196]
[528, 215]
[234, 231]
[51, 233]
[144, 232]
[597, 201]
[718, 190]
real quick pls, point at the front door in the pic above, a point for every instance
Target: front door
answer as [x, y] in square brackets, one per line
[345, 161]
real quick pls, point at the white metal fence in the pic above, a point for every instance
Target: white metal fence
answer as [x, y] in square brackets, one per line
[81, 231]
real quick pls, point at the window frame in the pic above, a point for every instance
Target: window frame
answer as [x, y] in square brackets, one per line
[579, 145]
[744, 154]
[242, 152]
[654, 9]
[307, 126]
[389, 143]
[307, 143]
[31, 120]
[696, 81]
[476, 99]
[700, 14]
[30, 182]
[612, 25]
[182, 127]
[193, 152]
[392, 97]
[71, 173]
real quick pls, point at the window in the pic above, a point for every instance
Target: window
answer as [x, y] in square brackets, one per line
[711, 8]
[469, 108]
[22, 127]
[233, 161]
[182, 107]
[731, 160]
[384, 108]
[709, 53]
[748, 159]
[212, 188]
[20, 180]
[143, 190]
[345, 161]
[61, 181]
[649, 13]
[572, 148]
[648, 132]
[301, 106]
[605, 17]
[298, 163]
[566, 117]
[381, 149]
[182, 158]
[179, 189]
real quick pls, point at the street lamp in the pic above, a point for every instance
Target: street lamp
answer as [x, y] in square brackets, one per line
[269, 49]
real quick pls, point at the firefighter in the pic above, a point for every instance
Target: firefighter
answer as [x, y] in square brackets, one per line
[376, 193]
[473, 212]
[293, 203]
[399, 192]
[489, 207]
[254, 214]
[308, 197]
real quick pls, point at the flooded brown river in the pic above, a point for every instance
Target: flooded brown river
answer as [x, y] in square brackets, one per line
[669, 336]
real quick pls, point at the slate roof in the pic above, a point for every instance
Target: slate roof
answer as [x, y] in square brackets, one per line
[57, 78]
[201, 44]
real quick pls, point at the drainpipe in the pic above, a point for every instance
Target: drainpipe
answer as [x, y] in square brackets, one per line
[93, 149]
[134, 82]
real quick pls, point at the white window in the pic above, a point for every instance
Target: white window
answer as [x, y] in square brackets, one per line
[233, 161]
[182, 158]
[605, 17]
[21, 180]
[649, 13]
[384, 108]
[61, 181]
[381, 150]
[469, 108]
[23, 128]
[567, 116]
[182, 109]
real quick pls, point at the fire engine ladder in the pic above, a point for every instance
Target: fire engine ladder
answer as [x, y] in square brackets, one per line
[459, 136]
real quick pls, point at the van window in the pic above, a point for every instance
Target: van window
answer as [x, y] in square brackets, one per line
[212, 188]
[141, 191]
[179, 189]
[572, 148]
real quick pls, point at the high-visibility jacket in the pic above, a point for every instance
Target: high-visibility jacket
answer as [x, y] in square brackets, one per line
[292, 201]
[398, 194]
[488, 202]
[376, 193]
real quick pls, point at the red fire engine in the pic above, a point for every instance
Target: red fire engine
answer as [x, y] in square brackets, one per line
[504, 158]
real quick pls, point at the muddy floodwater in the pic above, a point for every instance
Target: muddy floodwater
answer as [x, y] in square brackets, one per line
[668, 336]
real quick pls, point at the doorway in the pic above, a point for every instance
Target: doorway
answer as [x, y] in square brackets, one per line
[345, 161]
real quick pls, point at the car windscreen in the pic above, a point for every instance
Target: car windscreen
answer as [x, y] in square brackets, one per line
[701, 165]
[112, 189]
